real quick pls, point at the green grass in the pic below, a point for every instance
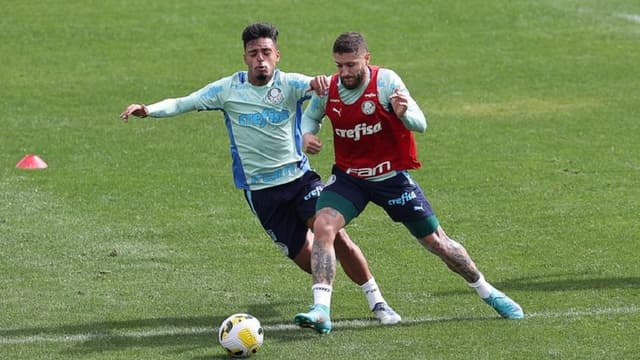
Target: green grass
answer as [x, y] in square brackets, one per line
[134, 244]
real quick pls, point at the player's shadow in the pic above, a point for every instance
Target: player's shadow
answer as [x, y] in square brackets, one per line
[567, 282]
[191, 334]
[179, 334]
[105, 336]
[557, 282]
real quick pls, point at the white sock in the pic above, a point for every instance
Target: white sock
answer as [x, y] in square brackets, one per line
[322, 294]
[371, 291]
[481, 286]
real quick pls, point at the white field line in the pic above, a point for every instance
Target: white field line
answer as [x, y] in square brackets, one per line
[631, 17]
[185, 331]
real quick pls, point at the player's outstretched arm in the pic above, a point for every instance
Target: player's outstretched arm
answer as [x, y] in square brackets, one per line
[139, 110]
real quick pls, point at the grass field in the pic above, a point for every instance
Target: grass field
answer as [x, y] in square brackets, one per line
[134, 244]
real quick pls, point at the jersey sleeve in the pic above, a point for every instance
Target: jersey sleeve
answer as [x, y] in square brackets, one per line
[211, 97]
[388, 81]
[299, 83]
[206, 98]
[168, 108]
[313, 115]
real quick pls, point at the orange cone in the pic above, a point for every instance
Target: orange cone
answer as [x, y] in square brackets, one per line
[31, 162]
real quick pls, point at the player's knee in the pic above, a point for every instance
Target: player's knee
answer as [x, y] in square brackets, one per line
[439, 243]
[324, 227]
[434, 243]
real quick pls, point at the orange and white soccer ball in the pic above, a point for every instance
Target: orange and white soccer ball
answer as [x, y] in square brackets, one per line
[241, 335]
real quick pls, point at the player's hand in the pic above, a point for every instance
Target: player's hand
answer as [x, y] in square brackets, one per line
[138, 110]
[320, 84]
[311, 144]
[399, 102]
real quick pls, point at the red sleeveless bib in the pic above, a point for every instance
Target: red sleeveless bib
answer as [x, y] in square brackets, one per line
[369, 140]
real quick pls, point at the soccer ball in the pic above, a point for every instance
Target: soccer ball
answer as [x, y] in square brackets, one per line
[241, 335]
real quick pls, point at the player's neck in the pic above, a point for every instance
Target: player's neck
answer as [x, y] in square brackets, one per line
[260, 82]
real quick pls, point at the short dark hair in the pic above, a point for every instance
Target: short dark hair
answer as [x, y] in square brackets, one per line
[350, 42]
[259, 30]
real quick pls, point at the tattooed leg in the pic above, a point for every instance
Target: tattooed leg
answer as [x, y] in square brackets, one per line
[452, 253]
[323, 265]
[323, 256]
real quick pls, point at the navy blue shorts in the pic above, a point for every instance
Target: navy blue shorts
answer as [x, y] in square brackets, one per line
[399, 196]
[283, 210]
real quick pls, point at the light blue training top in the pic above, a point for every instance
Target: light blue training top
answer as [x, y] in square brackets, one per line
[263, 124]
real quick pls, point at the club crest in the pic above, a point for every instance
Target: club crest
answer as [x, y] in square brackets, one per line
[368, 107]
[274, 96]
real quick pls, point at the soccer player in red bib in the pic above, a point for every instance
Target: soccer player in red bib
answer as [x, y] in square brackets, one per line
[373, 118]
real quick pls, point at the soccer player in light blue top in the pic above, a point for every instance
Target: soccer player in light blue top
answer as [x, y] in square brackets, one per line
[262, 109]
